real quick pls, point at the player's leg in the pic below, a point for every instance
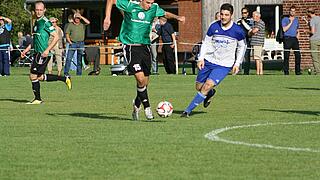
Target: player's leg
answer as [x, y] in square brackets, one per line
[198, 98]
[211, 75]
[35, 88]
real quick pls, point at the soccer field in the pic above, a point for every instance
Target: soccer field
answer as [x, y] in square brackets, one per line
[257, 127]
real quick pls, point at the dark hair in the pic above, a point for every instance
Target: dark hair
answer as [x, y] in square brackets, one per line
[227, 7]
[311, 10]
[292, 7]
[40, 2]
[244, 8]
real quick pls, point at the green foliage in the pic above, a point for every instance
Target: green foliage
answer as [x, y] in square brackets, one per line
[86, 133]
[21, 19]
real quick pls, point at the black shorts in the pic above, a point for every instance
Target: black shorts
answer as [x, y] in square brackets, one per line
[139, 59]
[39, 64]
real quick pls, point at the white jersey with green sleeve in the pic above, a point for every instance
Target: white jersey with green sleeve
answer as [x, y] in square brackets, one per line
[137, 22]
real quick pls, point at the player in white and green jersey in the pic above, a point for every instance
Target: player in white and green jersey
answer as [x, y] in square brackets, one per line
[135, 36]
[43, 29]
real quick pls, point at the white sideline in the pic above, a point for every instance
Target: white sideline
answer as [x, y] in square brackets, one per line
[213, 136]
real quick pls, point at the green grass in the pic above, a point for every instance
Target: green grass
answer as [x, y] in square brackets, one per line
[87, 133]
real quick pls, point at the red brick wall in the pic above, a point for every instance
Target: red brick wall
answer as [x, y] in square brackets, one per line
[301, 8]
[191, 31]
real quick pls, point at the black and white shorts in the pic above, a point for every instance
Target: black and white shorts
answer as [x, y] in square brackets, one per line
[39, 64]
[139, 58]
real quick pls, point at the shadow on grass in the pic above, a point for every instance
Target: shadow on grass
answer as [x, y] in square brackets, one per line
[313, 113]
[179, 112]
[100, 116]
[304, 88]
[15, 100]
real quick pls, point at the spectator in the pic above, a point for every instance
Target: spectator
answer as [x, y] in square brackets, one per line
[257, 40]
[154, 38]
[290, 27]
[314, 39]
[5, 40]
[73, 66]
[168, 36]
[75, 34]
[28, 40]
[21, 39]
[246, 24]
[57, 49]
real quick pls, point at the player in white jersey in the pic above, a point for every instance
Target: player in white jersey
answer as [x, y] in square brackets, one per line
[222, 50]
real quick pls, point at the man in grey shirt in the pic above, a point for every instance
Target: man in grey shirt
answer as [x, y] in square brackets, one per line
[257, 40]
[314, 39]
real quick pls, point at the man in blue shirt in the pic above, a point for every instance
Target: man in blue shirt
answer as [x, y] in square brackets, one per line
[290, 27]
[5, 29]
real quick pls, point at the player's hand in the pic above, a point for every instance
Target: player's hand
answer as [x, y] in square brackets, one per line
[172, 46]
[200, 64]
[45, 53]
[235, 70]
[106, 23]
[23, 54]
[181, 19]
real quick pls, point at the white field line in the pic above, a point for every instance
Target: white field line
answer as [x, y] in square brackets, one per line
[213, 136]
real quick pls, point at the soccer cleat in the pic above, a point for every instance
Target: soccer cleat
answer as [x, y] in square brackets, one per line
[185, 114]
[148, 113]
[207, 100]
[68, 83]
[35, 101]
[135, 112]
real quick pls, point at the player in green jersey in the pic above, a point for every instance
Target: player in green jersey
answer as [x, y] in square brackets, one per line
[135, 36]
[42, 31]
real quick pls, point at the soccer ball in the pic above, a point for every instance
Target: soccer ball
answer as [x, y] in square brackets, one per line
[164, 109]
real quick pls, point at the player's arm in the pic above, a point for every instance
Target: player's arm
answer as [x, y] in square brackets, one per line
[169, 15]
[25, 51]
[54, 41]
[206, 43]
[107, 20]
[241, 50]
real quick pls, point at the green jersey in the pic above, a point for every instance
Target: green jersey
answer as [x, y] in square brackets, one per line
[41, 34]
[137, 22]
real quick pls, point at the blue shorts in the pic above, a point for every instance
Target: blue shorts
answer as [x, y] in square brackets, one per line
[212, 71]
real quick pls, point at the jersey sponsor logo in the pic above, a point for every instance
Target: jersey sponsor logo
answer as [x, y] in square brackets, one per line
[140, 21]
[141, 15]
[137, 67]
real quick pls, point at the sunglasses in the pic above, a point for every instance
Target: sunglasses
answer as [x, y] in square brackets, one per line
[244, 12]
